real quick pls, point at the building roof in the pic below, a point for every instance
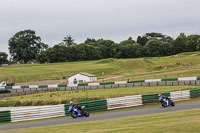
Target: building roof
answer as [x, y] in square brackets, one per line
[86, 74]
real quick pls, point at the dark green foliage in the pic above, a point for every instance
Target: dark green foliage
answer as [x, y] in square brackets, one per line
[153, 48]
[25, 45]
[198, 44]
[180, 43]
[42, 57]
[3, 58]
[149, 45]
[68, 40]
[166, 49]
[192, 42]
[142, 40]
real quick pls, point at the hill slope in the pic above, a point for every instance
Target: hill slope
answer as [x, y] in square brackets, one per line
[185, 64]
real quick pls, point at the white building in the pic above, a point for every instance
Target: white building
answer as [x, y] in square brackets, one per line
[81, 77]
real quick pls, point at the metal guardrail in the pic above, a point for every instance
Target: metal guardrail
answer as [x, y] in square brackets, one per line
[33, 90]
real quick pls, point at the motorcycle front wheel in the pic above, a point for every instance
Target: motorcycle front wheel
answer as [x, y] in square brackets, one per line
[87, 114]
[74, 114]
[164, 104]
[172, 103]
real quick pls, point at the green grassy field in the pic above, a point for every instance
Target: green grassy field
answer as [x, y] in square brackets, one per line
[96, 94]
[186, 121]
[185, 64]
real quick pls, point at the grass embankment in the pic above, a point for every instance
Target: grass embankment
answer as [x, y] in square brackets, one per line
[87, 95]
[181, 65]
[172, 122]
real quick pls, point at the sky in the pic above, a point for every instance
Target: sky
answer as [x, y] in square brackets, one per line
[108, 19]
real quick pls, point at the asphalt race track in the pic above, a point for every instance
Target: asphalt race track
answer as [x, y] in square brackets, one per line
[190, 105]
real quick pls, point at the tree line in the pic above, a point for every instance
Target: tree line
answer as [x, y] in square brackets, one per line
[25, 46]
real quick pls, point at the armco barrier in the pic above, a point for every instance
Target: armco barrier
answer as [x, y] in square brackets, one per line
[5, 116]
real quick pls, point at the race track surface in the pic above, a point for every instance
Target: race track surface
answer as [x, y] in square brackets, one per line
[190, 105]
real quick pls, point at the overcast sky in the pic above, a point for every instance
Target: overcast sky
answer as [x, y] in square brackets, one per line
[109, 19]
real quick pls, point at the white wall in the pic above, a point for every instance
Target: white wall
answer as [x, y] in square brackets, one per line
[81, 77]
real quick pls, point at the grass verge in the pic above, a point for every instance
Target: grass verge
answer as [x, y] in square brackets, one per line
[181, 65]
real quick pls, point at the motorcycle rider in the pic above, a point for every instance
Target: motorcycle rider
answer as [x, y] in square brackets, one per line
[73, 104]
[163, 98]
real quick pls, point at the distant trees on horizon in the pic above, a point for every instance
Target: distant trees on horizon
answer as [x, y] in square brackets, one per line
[25, 46]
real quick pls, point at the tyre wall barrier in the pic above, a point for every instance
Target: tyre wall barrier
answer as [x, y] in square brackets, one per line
[194, 93]
[124, 102]
[35, 113]
[16, 114]
[180, 95]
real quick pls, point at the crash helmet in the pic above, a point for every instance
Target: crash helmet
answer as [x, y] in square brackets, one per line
[71, 102]
[159, 95]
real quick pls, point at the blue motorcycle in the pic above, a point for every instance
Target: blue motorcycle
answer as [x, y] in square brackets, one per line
[166, 102]
[78, 112]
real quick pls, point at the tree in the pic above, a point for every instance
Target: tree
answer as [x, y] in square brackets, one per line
[106, 47]
[3, 58]
[167, 48]
[126, 50]
[25, 45]
[139, 50]
[153, 48]
[142, 40]
[192, 42]
[90, 41]
[180, 43]
[92, 52]
[77, 53]
[198, 44]
[129, 41]
[153, 35]
[68, 40]
[42, 57]
[56, 53]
